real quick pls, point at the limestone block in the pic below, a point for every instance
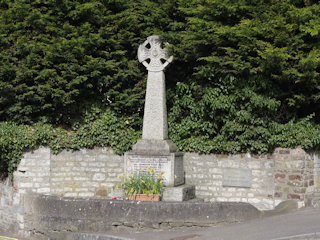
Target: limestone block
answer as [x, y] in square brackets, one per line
[112, 164]
[71, 194]
[43, 190]
[25, 185]
[83, 178]
[99, 177]
[93, 169]
[81, 189]
[178, 194]
[96, 164]
[86, 194]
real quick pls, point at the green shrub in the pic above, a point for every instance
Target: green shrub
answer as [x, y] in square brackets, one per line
[104, 130]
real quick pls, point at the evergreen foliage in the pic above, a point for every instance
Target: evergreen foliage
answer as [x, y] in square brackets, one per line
[245, 76]
[107, 130]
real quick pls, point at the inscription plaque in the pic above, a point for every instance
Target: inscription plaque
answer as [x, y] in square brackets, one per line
[171, 164]
[233, 177]
[140, 163]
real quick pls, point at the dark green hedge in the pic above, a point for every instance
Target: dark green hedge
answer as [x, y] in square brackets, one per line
[107, 130]
[245, 76]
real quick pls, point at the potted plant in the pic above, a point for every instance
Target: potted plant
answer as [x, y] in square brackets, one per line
[144, 185]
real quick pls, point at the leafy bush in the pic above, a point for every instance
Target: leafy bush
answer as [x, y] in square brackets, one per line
[58, 59]
[107, 130]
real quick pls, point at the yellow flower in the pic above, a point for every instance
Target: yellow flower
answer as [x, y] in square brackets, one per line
[131, 190]
[175, 176]
[162, 172]
[151, 170]
[142, 181]
[142, 170]
[130, 178]
[159, 177]
[117, 187]
[160, 182]
[127, 122]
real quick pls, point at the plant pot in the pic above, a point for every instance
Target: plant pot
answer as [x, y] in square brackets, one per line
[143, 197]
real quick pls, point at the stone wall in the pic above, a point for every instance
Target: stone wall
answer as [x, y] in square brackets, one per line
[83, 173]
[285, 174]
[293, 174]
[206, 173]
[11, 210]
[33, 172]
[86, 173]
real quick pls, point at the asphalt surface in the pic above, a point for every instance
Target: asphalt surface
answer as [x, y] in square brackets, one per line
[301, 225]
[10, 236]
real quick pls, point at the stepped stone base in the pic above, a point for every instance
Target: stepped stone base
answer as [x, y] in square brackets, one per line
[178, 194]
[154, 145]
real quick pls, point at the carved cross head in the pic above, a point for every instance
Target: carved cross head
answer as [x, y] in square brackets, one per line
[152, 55]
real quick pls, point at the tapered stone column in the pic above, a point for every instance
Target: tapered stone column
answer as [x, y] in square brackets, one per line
[155, 125]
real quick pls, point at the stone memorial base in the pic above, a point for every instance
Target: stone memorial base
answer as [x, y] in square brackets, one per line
[171, 164]
[162, 156]
[178, 194]
[159, 155]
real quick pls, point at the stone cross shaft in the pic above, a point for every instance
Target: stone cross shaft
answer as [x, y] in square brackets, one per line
[155, 58]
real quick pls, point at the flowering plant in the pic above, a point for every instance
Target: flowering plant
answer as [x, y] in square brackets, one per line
[143, 182]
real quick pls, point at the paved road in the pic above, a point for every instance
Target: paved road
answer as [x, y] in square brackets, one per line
[9, 236]
[4, 235]
[303, 224]
[300, 225]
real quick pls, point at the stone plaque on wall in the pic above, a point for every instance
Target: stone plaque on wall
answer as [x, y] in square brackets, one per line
[234, 177]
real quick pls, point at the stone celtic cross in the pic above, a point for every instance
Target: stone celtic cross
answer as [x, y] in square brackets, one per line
[155, 150]
[155, 58]
[152, 50]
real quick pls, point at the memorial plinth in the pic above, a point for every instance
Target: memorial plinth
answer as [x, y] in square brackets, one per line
[170, 163]
[155, 150]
